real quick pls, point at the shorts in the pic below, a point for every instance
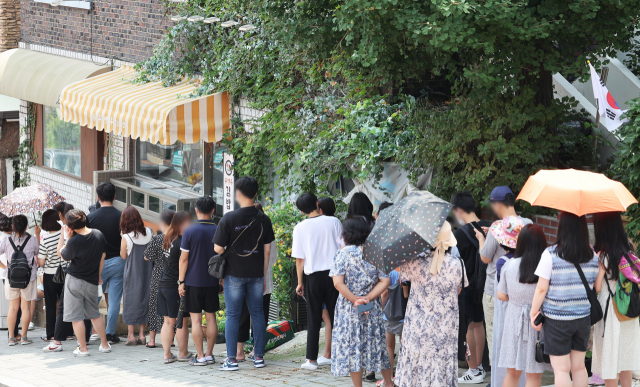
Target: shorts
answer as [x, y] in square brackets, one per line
[168, 302]
[393, 327]
[80, 300]
[29, 293]
[561, 337]
[473, 310]
[199, 299]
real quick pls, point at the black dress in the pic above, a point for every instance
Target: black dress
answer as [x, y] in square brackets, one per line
[155, 254]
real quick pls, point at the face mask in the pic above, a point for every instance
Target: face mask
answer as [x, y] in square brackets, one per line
[461, 222]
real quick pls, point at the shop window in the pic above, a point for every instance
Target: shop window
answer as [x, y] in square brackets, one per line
[61, 143]
[179, 165]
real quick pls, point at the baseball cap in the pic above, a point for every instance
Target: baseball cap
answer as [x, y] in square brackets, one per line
[499, 193]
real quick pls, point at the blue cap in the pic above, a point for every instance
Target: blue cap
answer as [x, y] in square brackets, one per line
[499, 193]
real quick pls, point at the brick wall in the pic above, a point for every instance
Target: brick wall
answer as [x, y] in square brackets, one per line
[73, 190]
[124, 29]
[9, 24]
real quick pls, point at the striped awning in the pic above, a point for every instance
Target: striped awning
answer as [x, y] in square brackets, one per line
[150, 112]
[37, 77]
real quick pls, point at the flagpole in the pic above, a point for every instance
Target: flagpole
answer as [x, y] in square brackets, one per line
[603, 78]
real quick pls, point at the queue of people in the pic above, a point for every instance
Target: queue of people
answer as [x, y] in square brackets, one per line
[513, 291]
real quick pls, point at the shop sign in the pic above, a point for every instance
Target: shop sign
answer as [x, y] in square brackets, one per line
[229, 181]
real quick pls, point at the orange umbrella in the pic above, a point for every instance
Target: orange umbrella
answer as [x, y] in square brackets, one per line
[578, 192]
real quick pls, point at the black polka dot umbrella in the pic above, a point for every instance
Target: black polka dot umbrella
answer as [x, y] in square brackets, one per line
[405, 230]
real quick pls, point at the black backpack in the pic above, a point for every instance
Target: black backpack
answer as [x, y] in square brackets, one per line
[479, 278]
[19, 272]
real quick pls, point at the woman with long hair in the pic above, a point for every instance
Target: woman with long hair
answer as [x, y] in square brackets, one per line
[155, 254]
[137, 274]
[360, 205]
[168, 296]
[561, 297]
[429, 352]
[516, 288]
[615, 343]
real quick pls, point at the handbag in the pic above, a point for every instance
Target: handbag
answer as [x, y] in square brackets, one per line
[393, 308]
[218, 262]
[60, 275]
[596, 308]
[541, 357]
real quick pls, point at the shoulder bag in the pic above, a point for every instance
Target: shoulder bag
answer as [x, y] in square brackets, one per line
[393, 308]
[218, 262]
[60, 274]
[596, 309]
[541, 357]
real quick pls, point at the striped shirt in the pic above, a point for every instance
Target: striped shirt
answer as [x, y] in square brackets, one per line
[566, 298]
[48, 252]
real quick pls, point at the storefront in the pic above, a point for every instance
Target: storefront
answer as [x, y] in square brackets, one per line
[173, 139]
[159, 147]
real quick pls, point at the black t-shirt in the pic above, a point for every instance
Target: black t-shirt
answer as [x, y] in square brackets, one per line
[171, 270]
[467, 248]
[107, 220]
[84, 253]
[246, 259]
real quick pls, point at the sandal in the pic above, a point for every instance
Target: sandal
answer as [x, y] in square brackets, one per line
[131, 343]
[186, 358]
[25, 341]
[170, 360]
[150, 346]
[142, 341]
[12, 341]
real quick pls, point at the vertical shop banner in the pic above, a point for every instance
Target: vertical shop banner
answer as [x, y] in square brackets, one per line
[229, 180]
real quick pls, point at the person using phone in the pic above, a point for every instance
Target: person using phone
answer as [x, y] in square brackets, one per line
[358, 311]
[464, 207]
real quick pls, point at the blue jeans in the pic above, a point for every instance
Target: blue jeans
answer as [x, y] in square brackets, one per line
[112, 279]
[235, 291]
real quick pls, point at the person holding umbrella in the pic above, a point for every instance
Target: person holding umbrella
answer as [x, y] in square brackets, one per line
[429, 354]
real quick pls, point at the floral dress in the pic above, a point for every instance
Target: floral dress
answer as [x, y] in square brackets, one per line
[429, 352]
[155, 254]
[358, 340]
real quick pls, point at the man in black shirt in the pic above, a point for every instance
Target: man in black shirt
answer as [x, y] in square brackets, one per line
[107, 220]
[246, 267]
[464, 207]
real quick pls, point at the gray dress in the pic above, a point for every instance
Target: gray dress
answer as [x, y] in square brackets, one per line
[518, 345]
[137, 285]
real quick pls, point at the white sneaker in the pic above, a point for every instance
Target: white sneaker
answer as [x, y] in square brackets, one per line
[78, 352]
[309, 366]
[323, 361]
[469, 378]
[94, 337]
[31, 326]
[104, 350]
[53, 347]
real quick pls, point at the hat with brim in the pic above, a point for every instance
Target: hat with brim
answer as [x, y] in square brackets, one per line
[506, 231]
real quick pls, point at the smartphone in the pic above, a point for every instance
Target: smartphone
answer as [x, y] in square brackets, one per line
[477, 227]
[365, 307]
[539, 319]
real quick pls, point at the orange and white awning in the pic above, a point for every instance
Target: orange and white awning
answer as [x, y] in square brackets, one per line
[150, 112]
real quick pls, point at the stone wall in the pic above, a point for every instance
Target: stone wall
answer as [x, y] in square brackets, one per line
[9, 24]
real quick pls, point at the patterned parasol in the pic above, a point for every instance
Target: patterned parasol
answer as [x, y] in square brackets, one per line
[405, 230]
[26, 200]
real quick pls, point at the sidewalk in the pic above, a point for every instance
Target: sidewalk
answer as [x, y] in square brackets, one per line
[27, 366]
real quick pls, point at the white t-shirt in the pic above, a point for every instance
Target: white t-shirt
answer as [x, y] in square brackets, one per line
[139, 240]
[545, 266]
[316, 241]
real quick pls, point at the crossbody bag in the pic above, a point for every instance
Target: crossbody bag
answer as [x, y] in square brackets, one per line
[218, 263]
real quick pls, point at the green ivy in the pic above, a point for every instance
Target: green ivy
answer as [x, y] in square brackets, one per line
[26, 152]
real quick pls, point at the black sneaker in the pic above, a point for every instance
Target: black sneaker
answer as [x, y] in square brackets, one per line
[113, 339]
[370, 377]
